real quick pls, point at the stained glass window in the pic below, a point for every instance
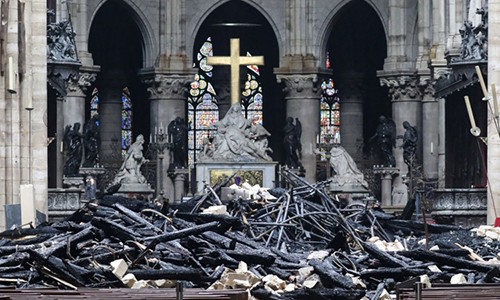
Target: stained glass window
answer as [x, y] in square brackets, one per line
[94, 103]
[330, 113]
[203, 111]
[126, 121]
[252, 95]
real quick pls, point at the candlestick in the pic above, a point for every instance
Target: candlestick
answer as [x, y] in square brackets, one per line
[432, 148]
[469, 111]
[495, 104]
[481, 82]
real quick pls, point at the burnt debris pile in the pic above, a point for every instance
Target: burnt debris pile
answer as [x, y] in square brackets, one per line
[294, 243]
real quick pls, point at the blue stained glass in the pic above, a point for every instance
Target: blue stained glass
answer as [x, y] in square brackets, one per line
[330, 111]
[126, 120]
[126, 103]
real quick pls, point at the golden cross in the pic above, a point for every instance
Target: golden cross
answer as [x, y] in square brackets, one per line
[235, 60]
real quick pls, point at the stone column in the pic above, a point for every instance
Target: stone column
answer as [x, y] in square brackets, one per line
[167, 95]
[302, 101]
[406, 106]
[442, 144]
[110, 109]
[493, 138]
[72, 109]
[430, 132]
[351, 111]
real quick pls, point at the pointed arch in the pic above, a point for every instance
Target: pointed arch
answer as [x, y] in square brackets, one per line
[137, 11]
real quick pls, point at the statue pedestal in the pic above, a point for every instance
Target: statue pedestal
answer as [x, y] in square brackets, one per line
[73, 183]
[91, 184]
[386, 175]
[135, 189]
[179, 177]
[262, 173]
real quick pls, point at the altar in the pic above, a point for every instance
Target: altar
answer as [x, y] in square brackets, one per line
[211, 173]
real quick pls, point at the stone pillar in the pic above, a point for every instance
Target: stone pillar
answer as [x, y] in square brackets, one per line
[302, 101]
[179, 177]
[493, 138]
[442, 143]
[74, 102]
[351, 111]
[110, 109]
[430, 133]
[406, 106]
[167, 95]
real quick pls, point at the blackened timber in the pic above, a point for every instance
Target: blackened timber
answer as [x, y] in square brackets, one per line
[169, 236]
[254, 257]
[130, 203]
[114, 229]
[443, 259]
[84, 234]
[385, 258]
[329, 276]
[138, 219]
[56, 268]
[396, 273]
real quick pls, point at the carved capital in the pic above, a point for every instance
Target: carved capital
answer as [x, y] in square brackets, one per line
[299, 84]
[165, 86]
[78, 84]
[427, 87]
[402, 88]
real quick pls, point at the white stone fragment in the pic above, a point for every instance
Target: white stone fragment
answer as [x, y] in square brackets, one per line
[434, 268]
[140, 284]
[274, 282]
[129, 280]
[304, 273]
[215, 210]
[434, 248]
[458, 279]
[426, 282]
[119, 267]
[321, 254]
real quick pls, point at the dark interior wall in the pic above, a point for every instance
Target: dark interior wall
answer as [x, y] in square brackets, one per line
[357, 43]
[465, 154]
[256, 37]
[116, 44]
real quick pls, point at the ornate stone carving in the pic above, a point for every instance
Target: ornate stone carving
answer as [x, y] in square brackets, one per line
[79, 83]
[402, 88]
[66, 201]
[474, 44]
[299, 83]
[236, 140]
[61, 42]
[427, 87]
[164, 85]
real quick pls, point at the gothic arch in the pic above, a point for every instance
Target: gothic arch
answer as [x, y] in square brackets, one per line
[380, 7]
[202, 15]
[136, 9]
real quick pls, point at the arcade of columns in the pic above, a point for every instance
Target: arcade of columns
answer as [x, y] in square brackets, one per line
[411, 93]
[298, 72]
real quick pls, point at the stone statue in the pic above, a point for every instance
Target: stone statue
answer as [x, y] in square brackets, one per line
[61, 41]
[470, 48]
[291, 143]
[346, 171]
[91, 142]
[74, 150]
[177, 136]
[409, 145]
[236, 139]
[130, 171]
[90, 188]
[385, 136]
